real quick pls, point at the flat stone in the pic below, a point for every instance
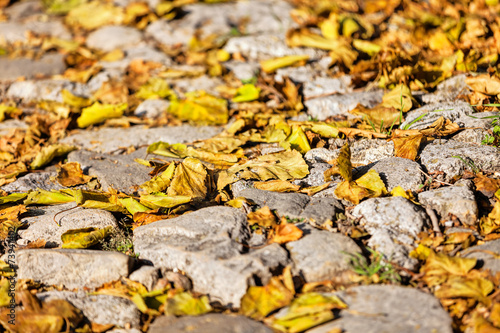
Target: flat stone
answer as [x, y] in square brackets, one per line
[369, 151]
[243, 70]
[33, 181]
[316, 175]
[151, 108]
[146, 275]
[120, 172]
[49, 64]
[266, 46]
[476, 127]
[109, 38]
[48, 90]
[204, 82]
[484, 255]
[209, 323]
[14, 32]
[323, 86]
[438, 157]
[321, 155]
[457, 200]
[43, 226]
[396, 171]
[207, 246]
[65, 266]
[432, 112]
[108, 140]
[448, 90]
[262, 16]
[388, 308]
[320, 255]
[339, 105]
[140, 51]
[394, 224]
[99, 309]
[106, 75]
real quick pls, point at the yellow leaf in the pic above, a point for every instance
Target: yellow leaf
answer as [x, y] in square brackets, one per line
[407, 147]
[262, 217]
[47, 154]
[71, 174]
[200, 108]
[398, 191]
[61, 7]
[380, 116]
[189, 180]
[13, 170]
[325, 130]
[246, 93]
[13, 197]
[97, 113]
[184, 304]
[73, 100]
[330, 27]
[155, 88]
[132, 205]
[352, 192]
[84, 238]
[372, 181]
[485, 84]
[439, 42]
[5, 298]
[344, 162]
[438, 267]
[305, 38]
[277, 186]
[6, 109]
[367, 47]
[42, 197]
[314, 189]
[160, 182]
[298, 140]
[283, 165]
[94, 14]
[272, 65]
[399, 98]
[160, 200]
[258, 302]
[476, 288]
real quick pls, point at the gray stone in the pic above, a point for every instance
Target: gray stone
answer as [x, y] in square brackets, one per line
[117, 171]
[207, 246]
[388, 308]
[114, 74]
[262, 16]
[141, 51]
[369, 151]
[475, 136]
[339, 105]
[320, 255]
[14, 32]
[316, 175]
[324, 86]
[394, 224]
[99, 309]
[109, 140]
[243, 70]
[396, 171]
[321, 155]
[109, 38]
[146, 275]
[457, 200]
[448, 90]
[209, 323]
[476, 127]
[21, 10]
[484, 254]
[151, 108]
[322, 210]
[206, 83]
[432, 112]
[43, 226]
[49, 90]
[33, 181]
[65, 267]
[49, 64]
[438, 157]
[265, 46]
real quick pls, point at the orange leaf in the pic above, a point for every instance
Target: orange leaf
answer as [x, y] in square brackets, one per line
[286, 232]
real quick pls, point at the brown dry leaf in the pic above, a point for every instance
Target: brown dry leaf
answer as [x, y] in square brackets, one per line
[13, 212]
[71, 174]
[485, 185]
[353, 132]
[277, 186]
[112, 92]
[190, 179]
[441, 127]
[314, 189]
[262, 217]
[380, 116]
[285, 232]
[485, 84]
[407, 146]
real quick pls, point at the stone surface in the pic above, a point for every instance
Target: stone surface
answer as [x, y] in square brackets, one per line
[99, 309]
[151, 108]
[243, 70]
[108, 140]
[295, 205]
[49, 90]
[109, 38]
[324, 86]
[438, 157]
[396, 171]
[476, 127]
[33, 181]
[65, 267]
[204, 82]
[432, 112]
[209, 323]
[369, 151]
[49, 64]
[388, 308]
[14, 32]
[120, 172]
[316, 175]
[458, 200]
[43, 226]
[484, 254]
[324, 155]
[320, 255]
[266, 46]
[9, 124]
[207, 246]
[448, 90]
[339, 105]
[393, 223]
[147, 275]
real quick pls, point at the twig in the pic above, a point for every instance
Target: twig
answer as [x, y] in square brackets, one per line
[62, 211]
[434, 219]
[429, 177]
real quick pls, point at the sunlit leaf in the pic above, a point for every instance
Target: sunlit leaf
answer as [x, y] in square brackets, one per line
[352, 192]
[407, 146]
[160, 200]
[277, 186]
[298, 140]
[344, 162]
[60, 7]
[71, 174]
[6, 109]
[184, 304]
[43, 197]
[438, 267]
[262, 217]
[97, 113]
[485, 84]
[94, 14]
[286, 232]
[84, 238]
[200, 108]
[477, 288]
[272, 65]
[132, 205]
[13, 197]
[189, 180]
[246, 93]
[160, 182]
[372, 181]
[155, 88]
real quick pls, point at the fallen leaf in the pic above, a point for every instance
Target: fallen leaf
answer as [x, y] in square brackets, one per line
[184, 304]
[263, 217]
[47, 154]
[246, 93]
[71, 174]
[285, 232]
[200, 108]
[277, 186]
[272, 65]
[97, 113]
[84, 238]
[189, 180]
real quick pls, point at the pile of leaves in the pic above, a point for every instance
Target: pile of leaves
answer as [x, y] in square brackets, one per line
[400, 45]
